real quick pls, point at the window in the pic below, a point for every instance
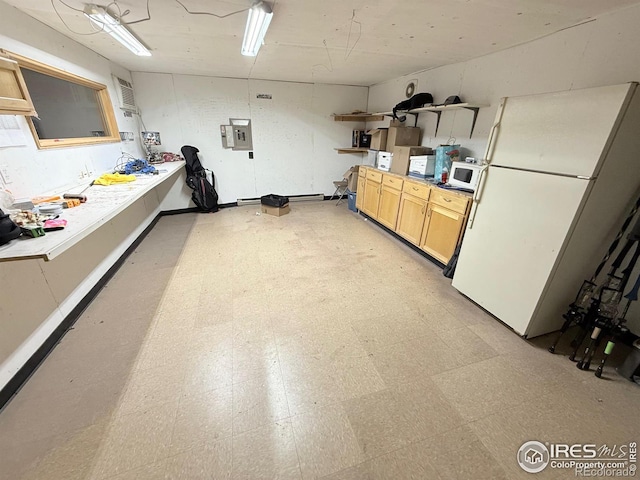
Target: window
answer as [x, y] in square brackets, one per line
[71, 110]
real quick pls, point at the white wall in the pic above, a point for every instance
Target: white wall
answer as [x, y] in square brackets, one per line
[603, 52]
[294, 135]
[37, 171]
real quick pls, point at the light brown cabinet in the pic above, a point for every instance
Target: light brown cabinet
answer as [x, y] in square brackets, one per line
[442, 232]
[372, 189]
[371, 198]
[389, 206]
[360, 192]
[413, 211]
[429, 217]
[14, 96]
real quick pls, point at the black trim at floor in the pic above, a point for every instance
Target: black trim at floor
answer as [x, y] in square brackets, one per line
[20, 378]
[403, 240]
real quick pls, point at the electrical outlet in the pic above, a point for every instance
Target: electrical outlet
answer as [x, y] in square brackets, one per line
[6, 176]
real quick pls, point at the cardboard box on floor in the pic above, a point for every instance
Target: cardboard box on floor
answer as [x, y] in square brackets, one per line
[378, 138]
[402, 136]
[275, 211]
[351, 176]
[400, 162]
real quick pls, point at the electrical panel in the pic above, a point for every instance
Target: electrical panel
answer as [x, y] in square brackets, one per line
[237, 135]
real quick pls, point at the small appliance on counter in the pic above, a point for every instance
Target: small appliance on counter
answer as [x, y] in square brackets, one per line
[384, 161]
[464, 175]
[422, 166]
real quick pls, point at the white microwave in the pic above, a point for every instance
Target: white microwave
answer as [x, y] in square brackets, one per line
[464, 175]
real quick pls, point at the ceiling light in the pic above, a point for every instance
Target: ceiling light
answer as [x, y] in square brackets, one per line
[258, 22]
[105, 22]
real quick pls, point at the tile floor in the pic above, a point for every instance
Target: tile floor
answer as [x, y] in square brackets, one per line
[308, 346]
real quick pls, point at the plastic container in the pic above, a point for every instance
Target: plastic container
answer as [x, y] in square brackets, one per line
[445, 175]
[351, 201]
[444, 158]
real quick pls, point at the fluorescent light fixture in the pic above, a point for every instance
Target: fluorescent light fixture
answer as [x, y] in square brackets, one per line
[258, 22]
[105, 22]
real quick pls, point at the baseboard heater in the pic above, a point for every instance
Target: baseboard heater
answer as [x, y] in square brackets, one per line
[292, 198]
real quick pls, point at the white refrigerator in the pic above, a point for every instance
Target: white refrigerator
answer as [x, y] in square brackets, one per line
[563, 170]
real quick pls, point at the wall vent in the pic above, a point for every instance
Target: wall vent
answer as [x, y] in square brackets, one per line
[125, 95]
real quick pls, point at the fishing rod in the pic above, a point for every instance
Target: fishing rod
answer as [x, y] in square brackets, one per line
[579, 308]
[612, 296]
[619, 330]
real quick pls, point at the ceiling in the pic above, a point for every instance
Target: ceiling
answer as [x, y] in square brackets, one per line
[353, 42]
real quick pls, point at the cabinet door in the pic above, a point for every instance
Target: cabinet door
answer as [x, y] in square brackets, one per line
[371, 198]
[360, 192]
[442, 232]
[14, 96]
[413, 211]
[389, 205]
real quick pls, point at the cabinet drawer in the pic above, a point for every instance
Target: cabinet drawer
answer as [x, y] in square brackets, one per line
[452, 202]
[417, 190]
[374, 176]
[362, 172]
[392, 182]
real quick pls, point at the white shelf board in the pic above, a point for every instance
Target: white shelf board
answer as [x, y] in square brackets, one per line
[103, 204]
[444, 108]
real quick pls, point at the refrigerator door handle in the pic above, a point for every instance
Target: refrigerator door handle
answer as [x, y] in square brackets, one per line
[496, 126]
[477, 195]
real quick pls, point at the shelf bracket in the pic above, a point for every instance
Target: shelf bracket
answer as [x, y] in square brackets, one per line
[439, 114]
[475, 117]
[415, 116]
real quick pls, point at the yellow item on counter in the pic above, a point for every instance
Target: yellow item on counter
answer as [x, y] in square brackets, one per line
[111, 178]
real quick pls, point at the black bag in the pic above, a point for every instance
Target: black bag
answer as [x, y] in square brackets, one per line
[204, 195]
[417, 101]
[450, 268]
[8, 230]
[273, 200]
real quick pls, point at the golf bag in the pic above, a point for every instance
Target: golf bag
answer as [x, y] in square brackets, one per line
[417, 101]
[8, 230]
[204, 194]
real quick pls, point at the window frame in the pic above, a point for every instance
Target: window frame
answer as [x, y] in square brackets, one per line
[112, 134]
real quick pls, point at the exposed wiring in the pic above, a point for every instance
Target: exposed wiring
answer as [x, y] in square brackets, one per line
[348, 52]
[142, 19]
[210, 13]
[122, 14]
[122, 161]
[330, 68]
[72, 8]
[65, 23]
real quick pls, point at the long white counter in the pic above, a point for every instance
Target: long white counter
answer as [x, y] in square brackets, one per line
[103, 204]
[57, 271]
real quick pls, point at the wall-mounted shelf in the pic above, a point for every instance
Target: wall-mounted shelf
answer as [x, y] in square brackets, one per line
[358, 117]
[438, 109]
[401, 112]
[445, 108]
[351, 150]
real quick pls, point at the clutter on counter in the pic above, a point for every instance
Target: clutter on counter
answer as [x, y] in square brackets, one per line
[111, 178]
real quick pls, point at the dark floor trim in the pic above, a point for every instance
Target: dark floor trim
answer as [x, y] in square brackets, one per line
[179, 211]
[15, 384]
[406, 242]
